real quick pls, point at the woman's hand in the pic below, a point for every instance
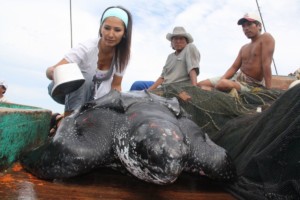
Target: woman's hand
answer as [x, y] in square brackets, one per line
[50, 70]
[49, 73]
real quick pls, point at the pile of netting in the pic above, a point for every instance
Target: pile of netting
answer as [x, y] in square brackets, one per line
[264, 146]
[212, 109]
[266, 150]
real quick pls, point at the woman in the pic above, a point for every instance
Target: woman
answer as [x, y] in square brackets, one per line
[102, 61]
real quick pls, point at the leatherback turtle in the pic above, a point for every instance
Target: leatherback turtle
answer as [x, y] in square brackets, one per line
[149, 136]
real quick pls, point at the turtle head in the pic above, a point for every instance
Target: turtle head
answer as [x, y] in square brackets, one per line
[156, 152]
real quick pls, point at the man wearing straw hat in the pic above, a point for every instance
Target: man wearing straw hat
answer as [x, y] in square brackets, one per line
[181, 65]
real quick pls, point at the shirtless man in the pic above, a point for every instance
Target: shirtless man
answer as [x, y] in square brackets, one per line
[254, 61]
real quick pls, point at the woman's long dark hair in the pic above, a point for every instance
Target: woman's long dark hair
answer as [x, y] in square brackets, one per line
[122, 52]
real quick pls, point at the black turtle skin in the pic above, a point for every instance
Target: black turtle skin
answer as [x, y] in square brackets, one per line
[146, 135]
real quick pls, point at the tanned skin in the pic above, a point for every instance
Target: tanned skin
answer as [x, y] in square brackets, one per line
[254, 59]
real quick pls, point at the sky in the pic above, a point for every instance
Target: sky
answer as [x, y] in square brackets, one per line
[35, 34]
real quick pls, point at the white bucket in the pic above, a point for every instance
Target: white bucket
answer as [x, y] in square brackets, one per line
[67, 78]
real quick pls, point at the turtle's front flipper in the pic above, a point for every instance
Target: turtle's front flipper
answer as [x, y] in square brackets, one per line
[206, 158]
[83, 141]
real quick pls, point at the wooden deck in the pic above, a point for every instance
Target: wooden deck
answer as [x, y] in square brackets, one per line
[15, 183]
[282, 82]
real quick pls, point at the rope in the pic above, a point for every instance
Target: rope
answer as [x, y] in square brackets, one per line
[264, 27]
[71, 23]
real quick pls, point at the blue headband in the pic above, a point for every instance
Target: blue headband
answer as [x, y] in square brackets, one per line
[116, 12]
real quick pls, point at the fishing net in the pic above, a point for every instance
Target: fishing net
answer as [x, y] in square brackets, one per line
[212, 109]
[264, 146]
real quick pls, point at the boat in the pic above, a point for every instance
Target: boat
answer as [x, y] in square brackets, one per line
[22, 127]
[25, 127]
[282, 82]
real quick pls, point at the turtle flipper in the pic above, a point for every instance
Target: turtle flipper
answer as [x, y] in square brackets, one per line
[206, 158]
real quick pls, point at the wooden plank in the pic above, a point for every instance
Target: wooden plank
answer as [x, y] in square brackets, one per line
[282, 82]
[106, 184]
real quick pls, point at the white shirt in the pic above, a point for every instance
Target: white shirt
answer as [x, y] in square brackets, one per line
[86, 56]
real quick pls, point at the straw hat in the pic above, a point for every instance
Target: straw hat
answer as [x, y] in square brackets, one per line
[180, 31]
